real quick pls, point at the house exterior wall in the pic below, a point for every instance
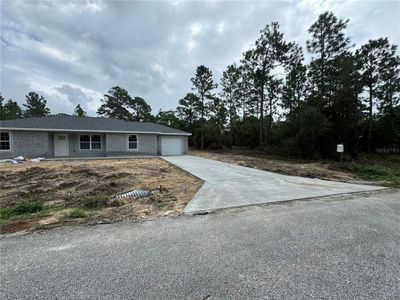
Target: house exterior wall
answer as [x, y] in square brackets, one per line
[29, 144]
[117, 144]
[74, 146]
[41, 144]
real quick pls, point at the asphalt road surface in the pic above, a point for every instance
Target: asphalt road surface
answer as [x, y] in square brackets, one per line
[339, 247]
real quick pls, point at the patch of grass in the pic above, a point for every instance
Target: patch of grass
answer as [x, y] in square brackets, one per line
[376, 172]
[69, 196]
[23, 208]
[159, 204]
[76, 214]
[95, 202]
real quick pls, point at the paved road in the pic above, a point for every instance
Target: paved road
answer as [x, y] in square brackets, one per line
[230, 185]
[341, 247]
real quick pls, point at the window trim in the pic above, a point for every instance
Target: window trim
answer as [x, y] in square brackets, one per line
[137, 142]
[9, 140]
[90, 142]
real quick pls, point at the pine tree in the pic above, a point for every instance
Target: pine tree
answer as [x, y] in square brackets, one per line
[294, 90]
[204, 85]
[377, 62]
[10, 110]
[79, 112]
[231, 95]
[327, 42]
[188, 110]
[35, 106]
[117, 103]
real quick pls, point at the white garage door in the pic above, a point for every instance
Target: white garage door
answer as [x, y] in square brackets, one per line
[171, 145]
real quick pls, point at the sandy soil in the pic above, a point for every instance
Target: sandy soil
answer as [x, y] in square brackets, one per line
[288, 167]
[67, 185]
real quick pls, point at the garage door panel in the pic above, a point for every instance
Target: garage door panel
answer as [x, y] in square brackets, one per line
[171, 146]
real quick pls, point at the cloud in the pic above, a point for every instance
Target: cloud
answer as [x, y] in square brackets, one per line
[75, 51]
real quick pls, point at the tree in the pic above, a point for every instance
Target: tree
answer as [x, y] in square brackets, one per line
[268, 55]
[140, 109]
[204, 85]
[231, 95]
[294, 90]
[118, 104]
[79, 112]
[10, 110]
[377, 62]
[35, 106]
[167, 118]
[327, 42]
[188, 110]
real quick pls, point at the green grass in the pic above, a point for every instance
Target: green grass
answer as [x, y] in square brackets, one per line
[376, 172]
[76, 214]
[22, 209]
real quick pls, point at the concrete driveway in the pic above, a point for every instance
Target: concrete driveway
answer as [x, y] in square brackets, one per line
[229, 185]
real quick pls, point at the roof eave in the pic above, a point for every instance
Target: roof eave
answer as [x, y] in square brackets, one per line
[95, 130]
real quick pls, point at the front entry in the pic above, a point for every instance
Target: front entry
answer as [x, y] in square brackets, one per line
[61, 145]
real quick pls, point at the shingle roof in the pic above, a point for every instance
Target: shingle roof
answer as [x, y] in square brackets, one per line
[73, 123]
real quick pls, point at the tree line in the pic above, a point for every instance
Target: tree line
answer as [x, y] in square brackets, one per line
[274, 101]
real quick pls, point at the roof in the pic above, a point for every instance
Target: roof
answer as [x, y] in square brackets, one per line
[89, 124]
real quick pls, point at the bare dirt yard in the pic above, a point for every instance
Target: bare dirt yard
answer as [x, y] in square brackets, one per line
[52, 193]
[371, 169]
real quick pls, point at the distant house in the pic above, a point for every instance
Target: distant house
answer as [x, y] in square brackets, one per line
[69, 136]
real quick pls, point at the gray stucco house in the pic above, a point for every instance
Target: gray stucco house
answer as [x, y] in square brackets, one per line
[70, 136]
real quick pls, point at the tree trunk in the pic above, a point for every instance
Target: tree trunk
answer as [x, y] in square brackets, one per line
[202, 122]
[370, 119]
[261, 136]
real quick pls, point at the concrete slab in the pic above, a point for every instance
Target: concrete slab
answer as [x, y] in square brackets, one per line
[228, 185]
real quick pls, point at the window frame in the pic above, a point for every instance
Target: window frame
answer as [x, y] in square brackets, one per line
[9, 140]
[137, 142]
[90, 142]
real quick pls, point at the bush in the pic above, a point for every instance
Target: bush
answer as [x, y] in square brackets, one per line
[76, 214]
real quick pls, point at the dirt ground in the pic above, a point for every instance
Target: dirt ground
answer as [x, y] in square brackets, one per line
[89, 185]
[315, 169]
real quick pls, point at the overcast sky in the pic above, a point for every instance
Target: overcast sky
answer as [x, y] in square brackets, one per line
[75, 51]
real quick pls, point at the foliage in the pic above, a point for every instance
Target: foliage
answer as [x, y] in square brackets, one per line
[118, 104]
[35, 106]
[79, 112]
[9, 110]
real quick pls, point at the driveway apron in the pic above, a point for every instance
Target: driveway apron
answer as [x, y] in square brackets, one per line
[229, 185]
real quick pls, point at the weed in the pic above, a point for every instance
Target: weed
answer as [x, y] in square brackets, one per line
[69, 196]
[159, 204]
[76, 214]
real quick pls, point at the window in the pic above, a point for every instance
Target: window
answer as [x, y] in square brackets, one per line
[132, 141]
[5, 143]
[90, 142]
[96, 142]
[85, 142]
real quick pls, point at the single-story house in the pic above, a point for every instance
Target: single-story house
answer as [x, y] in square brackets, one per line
[70, 136]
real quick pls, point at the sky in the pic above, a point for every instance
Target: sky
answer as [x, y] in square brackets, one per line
[75, 51]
